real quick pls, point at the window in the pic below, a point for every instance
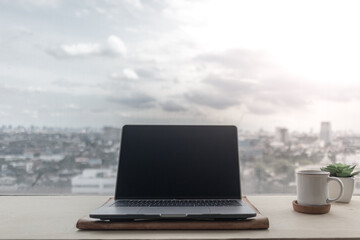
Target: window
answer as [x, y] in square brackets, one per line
[73, 72]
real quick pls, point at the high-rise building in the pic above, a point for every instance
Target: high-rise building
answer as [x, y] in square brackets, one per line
[281, 135]
[94, 181]
[325, 132]
[111, 133]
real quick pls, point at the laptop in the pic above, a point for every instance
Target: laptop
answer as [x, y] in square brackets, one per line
[177, 172]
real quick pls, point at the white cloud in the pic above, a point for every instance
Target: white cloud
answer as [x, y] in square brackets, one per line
[213, 100]
[81, 49]
[172, 106]
[136, 4]
[130, 74]
[261, 107]
[135, 100]
[127, 73]
[114, 46]
[41, 3]
[82, 13]
[2, 113]
[6, 107]
[72, 106]
[31, 113]
[132, 30]
[115, 75]
[56, 114]
[242, 61]
[100, 10]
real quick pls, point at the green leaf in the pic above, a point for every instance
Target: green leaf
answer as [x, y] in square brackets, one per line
[340, 170]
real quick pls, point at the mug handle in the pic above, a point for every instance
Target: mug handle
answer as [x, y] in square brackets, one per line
[329, 200]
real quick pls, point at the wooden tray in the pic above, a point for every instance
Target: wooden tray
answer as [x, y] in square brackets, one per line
[258, 222]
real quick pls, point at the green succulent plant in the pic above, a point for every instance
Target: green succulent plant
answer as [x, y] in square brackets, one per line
[340, 170]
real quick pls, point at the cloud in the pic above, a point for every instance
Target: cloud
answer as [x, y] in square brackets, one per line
[4, 109]
[246, 63]
[130, 74]
[116, 45]
[81, 49]
[116, 75]
[261, 107]
[144, 74]
[65, 83]
[290, 98]
[248, 77]
[72, 106]
[221, 93]
[82, 13]
[135, 100]
[3, 113]
[56, 114]
[113, 47]
[41, 3]
[148, 73]
[31, 113]
[213, 100]
[126, 74]
[171, 106]
[232, 85]
[136, 4]
[3, 106]
[21, 89]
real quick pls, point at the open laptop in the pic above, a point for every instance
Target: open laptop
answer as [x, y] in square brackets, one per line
[177, 172]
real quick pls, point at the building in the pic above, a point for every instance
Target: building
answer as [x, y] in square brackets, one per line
[8, 184]
[325, 132]
[281, 135]
[94, 181]
[112, 134]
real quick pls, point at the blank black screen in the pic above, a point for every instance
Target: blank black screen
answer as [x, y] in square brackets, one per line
[178, 162]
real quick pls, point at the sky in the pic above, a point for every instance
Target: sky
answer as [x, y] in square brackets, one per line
[254, 64]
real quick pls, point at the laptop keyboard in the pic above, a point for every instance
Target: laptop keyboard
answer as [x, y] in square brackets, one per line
[175, 203]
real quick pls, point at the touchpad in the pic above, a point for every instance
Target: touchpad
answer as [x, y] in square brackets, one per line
[174, 210]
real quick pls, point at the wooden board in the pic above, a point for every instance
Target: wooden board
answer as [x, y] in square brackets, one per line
[258, 222]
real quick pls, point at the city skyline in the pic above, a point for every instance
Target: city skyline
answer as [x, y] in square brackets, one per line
[274, 131]
[258, 64]
[84, 161]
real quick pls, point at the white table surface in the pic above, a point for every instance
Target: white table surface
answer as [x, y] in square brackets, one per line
[54, 217]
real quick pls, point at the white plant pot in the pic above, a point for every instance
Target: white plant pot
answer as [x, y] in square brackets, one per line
[334, 189]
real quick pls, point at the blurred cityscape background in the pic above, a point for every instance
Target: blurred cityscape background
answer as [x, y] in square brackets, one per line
[255, 64]
[44, 160]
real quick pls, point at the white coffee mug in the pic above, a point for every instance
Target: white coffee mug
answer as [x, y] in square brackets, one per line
[312, 187]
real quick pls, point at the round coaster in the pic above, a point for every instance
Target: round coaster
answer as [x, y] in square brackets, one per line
[311, 209]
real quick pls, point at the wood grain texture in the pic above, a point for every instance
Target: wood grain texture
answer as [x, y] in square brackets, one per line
[258, 222]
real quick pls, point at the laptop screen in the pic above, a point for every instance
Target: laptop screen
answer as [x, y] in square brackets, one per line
[176, 162]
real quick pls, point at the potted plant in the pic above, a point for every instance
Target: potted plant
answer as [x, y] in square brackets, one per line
[346, 175]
